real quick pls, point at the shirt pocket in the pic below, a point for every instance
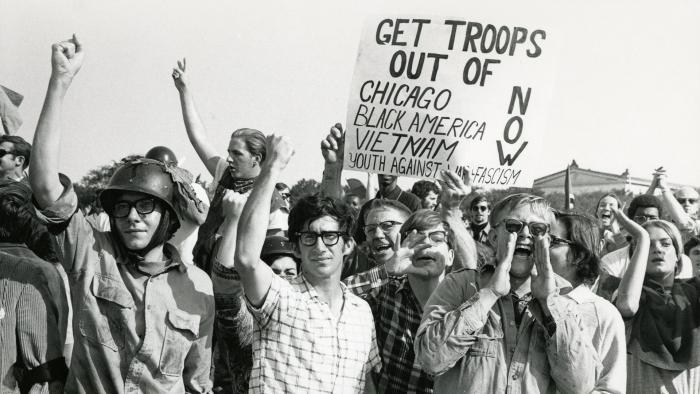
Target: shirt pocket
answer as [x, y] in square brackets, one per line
[484, 346]
[102, 318]
[181, 329]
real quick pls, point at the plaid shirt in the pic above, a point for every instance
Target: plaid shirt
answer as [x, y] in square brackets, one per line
[397, 315]
[300, 347]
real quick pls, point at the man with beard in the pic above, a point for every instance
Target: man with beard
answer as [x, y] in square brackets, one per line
[497, 330]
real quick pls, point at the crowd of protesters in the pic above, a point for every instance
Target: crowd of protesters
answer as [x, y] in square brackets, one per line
[434, 290]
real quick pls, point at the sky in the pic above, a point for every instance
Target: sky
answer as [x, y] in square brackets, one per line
[626, 92]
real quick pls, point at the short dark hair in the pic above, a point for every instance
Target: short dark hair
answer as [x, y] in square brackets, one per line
[692, 242]
[422, 188]
[584, 232]
[20, 147]
[478, 200]
[424, 219]
[312, 207]
[281, 186]
[644, 201]
[19, 223]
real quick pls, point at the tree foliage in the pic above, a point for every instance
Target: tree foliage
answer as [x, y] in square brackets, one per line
[90, 186]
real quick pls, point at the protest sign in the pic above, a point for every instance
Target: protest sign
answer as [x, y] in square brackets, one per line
[447, 93]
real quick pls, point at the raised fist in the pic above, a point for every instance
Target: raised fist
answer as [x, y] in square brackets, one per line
[279, 151]
[232, 203]
[66, 58]
[333, 146]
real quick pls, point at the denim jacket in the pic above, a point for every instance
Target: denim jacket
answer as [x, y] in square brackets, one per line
[109, 356]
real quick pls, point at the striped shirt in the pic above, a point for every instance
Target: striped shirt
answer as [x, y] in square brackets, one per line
[33, 312]
[299, 346]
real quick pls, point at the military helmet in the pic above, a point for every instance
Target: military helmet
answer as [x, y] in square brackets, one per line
[144, 176]
[162, 153]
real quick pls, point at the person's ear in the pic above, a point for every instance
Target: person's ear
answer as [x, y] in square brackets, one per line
[450, 258]
[19, 160]
[257, 159]
[296, 251]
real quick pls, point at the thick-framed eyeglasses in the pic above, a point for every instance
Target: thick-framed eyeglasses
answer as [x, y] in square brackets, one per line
[4, 152]
[556, 241]
[144, 206]
[479, 208]
[516, 226]
[644, 218]
[687, 200]
[385, 226]
[329, 238]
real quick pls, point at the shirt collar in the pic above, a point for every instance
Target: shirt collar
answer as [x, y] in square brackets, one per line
[175, 262]
[404, 285]
[581, 294]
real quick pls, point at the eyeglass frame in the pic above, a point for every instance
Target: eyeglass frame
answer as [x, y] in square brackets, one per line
[339, 234]
[4, 152]
[646, 218]
[132, 204]
[479, 208]
[523, 225]
[445, 233]
[393, 223]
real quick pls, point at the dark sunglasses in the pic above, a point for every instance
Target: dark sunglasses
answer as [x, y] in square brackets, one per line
[329, 238]
[4, 152]
[144, 206]
[689, 200]
[516, 226]
[479, 208]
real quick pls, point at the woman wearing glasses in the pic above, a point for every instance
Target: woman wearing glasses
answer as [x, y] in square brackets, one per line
[142, 319]
[661, 312]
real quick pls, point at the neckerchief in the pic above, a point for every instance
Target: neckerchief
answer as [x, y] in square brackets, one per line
[666, 328]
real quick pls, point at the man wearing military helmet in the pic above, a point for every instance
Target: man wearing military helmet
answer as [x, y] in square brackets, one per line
[142, 318]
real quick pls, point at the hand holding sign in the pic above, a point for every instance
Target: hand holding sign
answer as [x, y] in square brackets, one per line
[333, 146]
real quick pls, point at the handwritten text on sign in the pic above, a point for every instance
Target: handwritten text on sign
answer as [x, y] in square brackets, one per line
[434, 94]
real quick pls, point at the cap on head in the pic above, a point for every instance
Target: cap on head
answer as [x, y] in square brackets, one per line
[162, 153]
[142, 176]
[276, 246]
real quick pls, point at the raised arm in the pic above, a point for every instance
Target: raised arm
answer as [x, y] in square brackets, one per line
[630, 289]
[66, 60]
[232, 203]
[255, 275]
[454, 191]
[679, 216]
[196, 131]
[333, 149]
